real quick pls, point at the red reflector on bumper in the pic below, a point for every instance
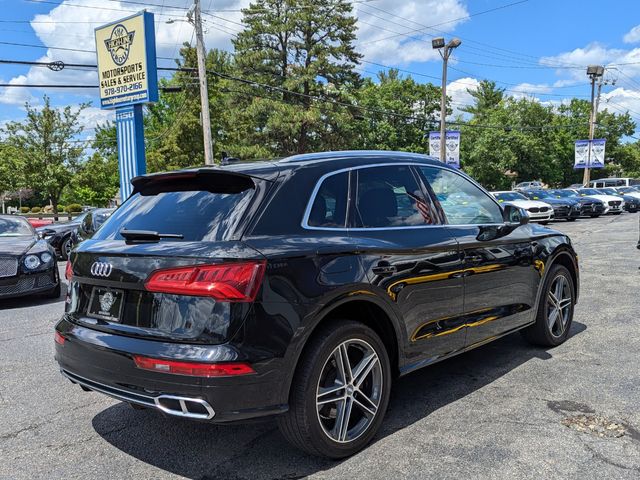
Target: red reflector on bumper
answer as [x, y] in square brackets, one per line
[192, 368]
[59, 339]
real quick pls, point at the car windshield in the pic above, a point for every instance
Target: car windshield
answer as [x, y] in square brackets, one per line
[589, 191]
[608, 191]
[627, 190]
[14, 227]
[538, 194]
[562, 193]
[506, 196]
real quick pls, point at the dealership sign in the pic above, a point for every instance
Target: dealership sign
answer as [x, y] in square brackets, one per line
[128, 77]
[452, 144]
[127, 61]
[589, 154]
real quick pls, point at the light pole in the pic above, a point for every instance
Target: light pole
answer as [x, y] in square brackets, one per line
[445, 51]
[594, 72]
[194, 17]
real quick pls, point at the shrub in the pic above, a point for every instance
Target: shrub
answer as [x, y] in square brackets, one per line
[36, 210]
[74, 208]
[62, 208]
[24, 209]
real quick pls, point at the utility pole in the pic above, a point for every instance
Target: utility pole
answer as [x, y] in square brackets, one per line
[195, 18]
[595, 72]
[445, 52]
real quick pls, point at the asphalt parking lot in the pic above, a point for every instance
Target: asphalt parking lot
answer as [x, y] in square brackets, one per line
[506, 410]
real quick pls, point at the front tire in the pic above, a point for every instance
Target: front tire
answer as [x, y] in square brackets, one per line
[65, 248]
[555, 310]
[340, 391]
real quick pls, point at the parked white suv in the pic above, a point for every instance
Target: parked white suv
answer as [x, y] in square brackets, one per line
[538, 211]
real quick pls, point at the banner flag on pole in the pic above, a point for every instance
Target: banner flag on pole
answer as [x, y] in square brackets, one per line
[582, 153]
[452, 142]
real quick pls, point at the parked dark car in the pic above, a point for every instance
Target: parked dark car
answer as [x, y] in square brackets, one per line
[27, 263]
[60, 235]
[302, 287]
[92, 220]
[563, 208]
[589, 207]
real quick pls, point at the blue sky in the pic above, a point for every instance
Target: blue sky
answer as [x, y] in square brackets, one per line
[537, 48]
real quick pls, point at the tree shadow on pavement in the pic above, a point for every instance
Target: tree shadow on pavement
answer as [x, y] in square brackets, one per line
[257, 451]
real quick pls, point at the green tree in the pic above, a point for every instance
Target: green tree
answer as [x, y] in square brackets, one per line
[412, 109]
[11, 173]
[307, 49]
[486, 97]
[45, 143]
[96, 181]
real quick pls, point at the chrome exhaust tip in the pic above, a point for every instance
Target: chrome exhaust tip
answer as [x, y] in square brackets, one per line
[185, 407]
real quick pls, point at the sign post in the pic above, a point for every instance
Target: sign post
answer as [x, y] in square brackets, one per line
[127, 72]
[452, 147]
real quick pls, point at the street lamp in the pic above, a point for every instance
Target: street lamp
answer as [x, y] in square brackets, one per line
[438, 43]
[594, 72]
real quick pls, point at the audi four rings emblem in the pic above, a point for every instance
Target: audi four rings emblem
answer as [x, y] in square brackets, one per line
[101, 269]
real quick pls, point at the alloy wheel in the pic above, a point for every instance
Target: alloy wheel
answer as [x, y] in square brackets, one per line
[349, 391]
[559, 305]
[68, 247]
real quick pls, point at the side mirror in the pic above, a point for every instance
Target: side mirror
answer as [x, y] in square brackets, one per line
[514, 216]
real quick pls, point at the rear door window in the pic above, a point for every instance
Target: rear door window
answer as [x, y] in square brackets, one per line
[390, 196]
[197, 215]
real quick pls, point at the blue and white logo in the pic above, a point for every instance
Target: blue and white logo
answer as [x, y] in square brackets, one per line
[119, 44]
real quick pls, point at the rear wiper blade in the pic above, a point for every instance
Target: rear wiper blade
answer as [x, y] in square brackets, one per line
[147, 236]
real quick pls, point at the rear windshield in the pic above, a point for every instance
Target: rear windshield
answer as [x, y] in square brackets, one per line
[196, 215]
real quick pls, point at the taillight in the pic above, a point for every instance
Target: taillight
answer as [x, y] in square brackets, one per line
[58, 338]
[228, 282]
[193, 369]
[68, 271]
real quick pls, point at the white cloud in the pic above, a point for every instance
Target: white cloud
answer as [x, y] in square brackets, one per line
[633, 35]
[574, 62]
[621, 100]
[460, 97]
[16, 95]
[378, 37]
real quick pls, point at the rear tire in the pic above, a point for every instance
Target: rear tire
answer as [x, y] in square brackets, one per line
[555, 310]
[323, 393]
[594, 216]
[571, 219]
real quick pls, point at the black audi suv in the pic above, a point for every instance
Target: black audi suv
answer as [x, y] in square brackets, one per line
[302, 287]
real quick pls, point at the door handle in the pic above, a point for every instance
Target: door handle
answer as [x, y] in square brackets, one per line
[384, 270]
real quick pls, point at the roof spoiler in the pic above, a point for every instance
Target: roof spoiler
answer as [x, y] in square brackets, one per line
[209, 179]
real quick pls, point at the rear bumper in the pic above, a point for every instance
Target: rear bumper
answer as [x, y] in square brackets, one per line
[104, 363]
